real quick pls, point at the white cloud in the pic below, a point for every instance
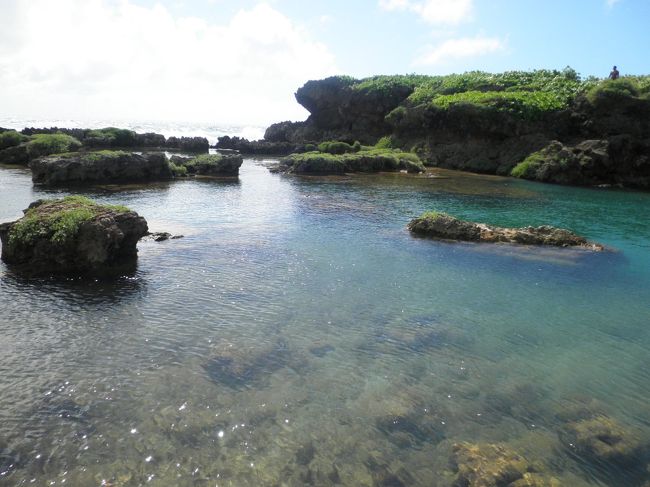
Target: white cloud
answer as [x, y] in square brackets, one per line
[115, 59]
[434, 11]
[611, 3]
[460, 48]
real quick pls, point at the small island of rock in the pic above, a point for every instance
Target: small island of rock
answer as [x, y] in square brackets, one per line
[446, 227]
[73, 235]
[335, 157]
[99, 167]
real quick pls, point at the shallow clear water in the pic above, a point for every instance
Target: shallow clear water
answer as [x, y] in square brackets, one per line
[298, 335]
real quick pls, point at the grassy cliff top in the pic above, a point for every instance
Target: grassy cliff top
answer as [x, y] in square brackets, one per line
[526, 94]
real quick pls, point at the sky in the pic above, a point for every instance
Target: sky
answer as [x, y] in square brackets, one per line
[240, 62]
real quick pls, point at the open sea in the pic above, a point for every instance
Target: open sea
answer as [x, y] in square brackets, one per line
[299, 335]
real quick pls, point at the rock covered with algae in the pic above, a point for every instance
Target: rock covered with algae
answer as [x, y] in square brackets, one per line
[72, 235]
[494, 465]
[442, 226]
[99, 167]
[605, 439]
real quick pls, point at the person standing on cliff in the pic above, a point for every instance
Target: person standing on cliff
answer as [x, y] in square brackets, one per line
[614, 74]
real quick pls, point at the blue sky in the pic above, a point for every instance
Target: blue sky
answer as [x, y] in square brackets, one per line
[241, 61]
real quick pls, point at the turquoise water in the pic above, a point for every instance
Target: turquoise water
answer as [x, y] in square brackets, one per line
[298, 335]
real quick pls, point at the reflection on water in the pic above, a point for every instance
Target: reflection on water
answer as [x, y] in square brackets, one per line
[298, 335]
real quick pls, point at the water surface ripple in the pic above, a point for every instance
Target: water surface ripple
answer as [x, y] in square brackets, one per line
[298, 335]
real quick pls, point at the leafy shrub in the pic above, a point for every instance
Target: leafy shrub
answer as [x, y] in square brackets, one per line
[385, 85]
[46, 144]
[562, 86]
[523, 104]
[11, 138]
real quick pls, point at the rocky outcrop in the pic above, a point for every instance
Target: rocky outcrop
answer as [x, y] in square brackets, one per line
[99, 167]
[620, 160]
[73, 236]
[216, 165]
[324, 163]
[445, 227]
[14, 155]
[111, 137]
[189, 144]
[261, 147]
[520, 114]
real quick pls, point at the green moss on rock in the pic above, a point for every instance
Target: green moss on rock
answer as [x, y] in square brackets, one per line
[72, 235]
[207, 165]
[365, 160]
[46, 144]
[58, 220]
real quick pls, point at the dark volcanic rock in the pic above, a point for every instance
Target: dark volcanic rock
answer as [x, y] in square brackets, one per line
[363, 161]
[217, 165]
[442, 226]
[73, 235]
[263, 147]
[99, 167]
[190, 144]
[14, 155]
[619, 160]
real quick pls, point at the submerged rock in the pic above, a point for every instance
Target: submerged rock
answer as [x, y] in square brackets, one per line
[446, 227]
[237, 365]
[494, 465]
[99, 167]
[604, 439]
[160, 237]
[9, 461]
[72, 235]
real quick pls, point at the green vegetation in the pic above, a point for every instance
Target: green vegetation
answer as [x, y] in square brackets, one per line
[177, 171]
[111, 137]
[625, 87]
[389, 84]
[528, 167]
[384, 143]
[431, 215]
[46, 144]
[94, 156]
[334, 147]
[11, 138]
[367, 159]
[202, 160]
[522, 104]
[58, 220]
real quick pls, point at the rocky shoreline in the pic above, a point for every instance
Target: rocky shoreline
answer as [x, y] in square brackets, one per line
[484, 123]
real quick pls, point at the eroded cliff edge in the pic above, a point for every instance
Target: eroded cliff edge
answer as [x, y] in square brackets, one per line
[543, 125]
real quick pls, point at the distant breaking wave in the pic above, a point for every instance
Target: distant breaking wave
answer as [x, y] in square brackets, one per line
[178, 129]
